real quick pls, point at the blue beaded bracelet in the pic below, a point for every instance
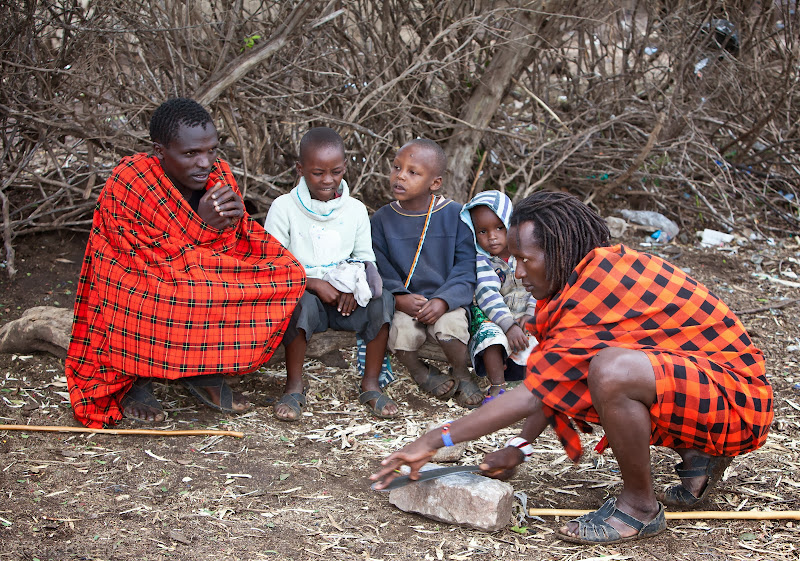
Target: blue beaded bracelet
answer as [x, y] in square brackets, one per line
[446, 438]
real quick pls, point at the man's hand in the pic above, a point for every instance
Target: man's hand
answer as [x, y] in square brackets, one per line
[432, 311]
[501, 464]
[517, 339]
[324, 291]
[414, 455]
[409, 304]
[221, 207]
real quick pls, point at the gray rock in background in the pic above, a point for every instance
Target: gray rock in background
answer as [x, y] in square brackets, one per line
[43, 328]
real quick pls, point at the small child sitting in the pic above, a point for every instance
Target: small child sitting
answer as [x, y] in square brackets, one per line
[426, 258]
[328, 232]
[500, 345]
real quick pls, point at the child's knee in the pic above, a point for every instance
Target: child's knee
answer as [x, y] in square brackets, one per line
[405, 333]
[452, 325]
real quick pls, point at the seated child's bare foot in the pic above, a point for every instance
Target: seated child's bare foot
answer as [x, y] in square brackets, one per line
[290, 406]
[469, 395]
[140, 404]
[378, 403]
[439, 385]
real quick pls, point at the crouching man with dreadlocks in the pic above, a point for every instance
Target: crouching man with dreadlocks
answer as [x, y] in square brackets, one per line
[177, 282]
[627, 341]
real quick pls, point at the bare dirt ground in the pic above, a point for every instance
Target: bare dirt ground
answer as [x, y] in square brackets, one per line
[300, 491]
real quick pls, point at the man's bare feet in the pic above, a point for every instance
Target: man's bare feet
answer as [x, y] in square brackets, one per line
[140, 404]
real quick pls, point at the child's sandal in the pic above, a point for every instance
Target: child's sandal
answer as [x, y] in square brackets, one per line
[466, 390]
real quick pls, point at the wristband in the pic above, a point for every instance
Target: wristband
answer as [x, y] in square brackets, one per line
[446, 438]
[522, 445]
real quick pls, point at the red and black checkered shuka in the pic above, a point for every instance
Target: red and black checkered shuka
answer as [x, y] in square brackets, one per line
[713, 394]
[163, 295]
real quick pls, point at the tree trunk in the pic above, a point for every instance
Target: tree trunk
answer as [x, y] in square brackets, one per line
[486, 97]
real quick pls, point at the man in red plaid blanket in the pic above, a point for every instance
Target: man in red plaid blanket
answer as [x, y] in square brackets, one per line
[627, 341]
[177, 282]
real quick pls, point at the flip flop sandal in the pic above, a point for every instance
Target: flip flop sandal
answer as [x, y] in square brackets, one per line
[711, 466]
[436, 379]
[382, 401]
[466, 390]
[294, 401]
[197, 384]
[141, 393]
[593, 528]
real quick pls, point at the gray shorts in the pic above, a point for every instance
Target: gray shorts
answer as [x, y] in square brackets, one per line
[313, 316]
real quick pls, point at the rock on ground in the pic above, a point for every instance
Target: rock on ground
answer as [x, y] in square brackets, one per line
[43, 328]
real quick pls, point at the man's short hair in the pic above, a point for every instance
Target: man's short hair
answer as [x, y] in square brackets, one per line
[173, 113]
[440, 158]
[319, 137]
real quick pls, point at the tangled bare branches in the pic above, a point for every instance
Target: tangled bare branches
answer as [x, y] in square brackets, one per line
[653, 105]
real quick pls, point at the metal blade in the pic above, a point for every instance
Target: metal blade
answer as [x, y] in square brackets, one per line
[428, 474]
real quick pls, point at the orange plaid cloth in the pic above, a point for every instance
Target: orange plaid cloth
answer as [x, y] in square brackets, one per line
[163, 295]
[712, 389]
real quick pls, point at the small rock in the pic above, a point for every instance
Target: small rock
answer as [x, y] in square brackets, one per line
[179, 536]
[466, 499]
[449, 454]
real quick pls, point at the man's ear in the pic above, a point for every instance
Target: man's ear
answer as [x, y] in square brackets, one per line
[436, 184]
[158, 150]
[298, 168]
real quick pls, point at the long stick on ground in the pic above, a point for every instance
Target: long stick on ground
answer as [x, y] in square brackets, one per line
[690, 515]
[145, 432]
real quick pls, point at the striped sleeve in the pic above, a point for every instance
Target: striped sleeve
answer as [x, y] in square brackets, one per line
[488, 297]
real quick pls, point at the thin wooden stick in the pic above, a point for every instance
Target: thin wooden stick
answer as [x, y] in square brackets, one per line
[773, 306]
[477, 175]
[144, 432]
[690, 515]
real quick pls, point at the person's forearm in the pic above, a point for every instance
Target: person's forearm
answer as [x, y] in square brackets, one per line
[499, 413]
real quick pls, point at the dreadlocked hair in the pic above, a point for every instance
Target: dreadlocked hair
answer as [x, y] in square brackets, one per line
[565, 228]
[173, 113]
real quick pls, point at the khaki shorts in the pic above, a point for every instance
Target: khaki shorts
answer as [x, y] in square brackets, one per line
[408, 334]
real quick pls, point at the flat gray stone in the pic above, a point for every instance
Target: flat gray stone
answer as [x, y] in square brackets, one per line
[43, 328]
[465, 499]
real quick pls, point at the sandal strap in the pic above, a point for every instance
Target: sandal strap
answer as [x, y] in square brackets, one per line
[685, 471]
[628, 520]
[293, 400]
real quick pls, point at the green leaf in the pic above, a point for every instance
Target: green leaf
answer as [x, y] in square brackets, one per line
[284, 439]
[520, 530]
[284, 476]
[748, 537]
